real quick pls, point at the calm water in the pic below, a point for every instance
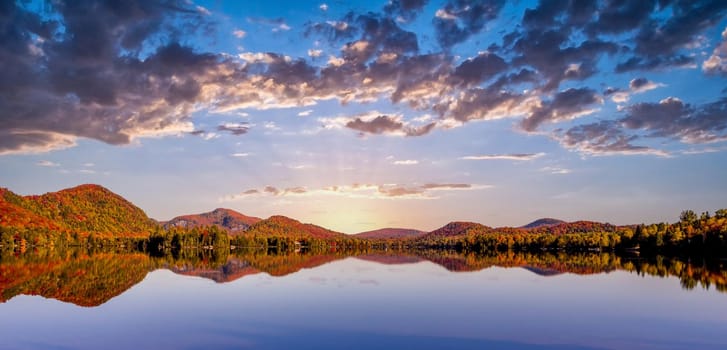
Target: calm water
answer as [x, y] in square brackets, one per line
[432, 301]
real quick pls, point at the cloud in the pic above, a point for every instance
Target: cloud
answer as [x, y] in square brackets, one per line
[510, 156]
[240, 155]
[46, 163]
[555, 170]
[305, 113]
[120, 74]
[717, 62]
[603, 138]
[636, 86]
[378, 124]
[93, 83]
[406, 162]
[446, 186]
[670, 118]
[404, 9]
[234, 128]
[362, 191]
[239, 33]
[566, 105]
[458, 20]
[323, 7]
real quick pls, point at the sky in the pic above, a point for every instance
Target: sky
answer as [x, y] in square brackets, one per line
[359, 115]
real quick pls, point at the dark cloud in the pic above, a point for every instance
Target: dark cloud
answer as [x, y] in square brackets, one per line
[617, 17]
[406, 9]
[638, 83]
[653, 63]
[379, 125]
[658, 43]
[479, 69]
[460, 19]
[669, 118]
[672, 118]
[114, 71]
[79, 72]
[550, 13]
[435, 186]
[234, 128]
[565, 105]
[555, 60]
[387, 125]
[334, 31]
[400, 191]
[603, 138]
[272, 190]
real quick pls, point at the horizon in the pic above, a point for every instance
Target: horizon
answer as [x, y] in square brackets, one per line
[374, 229]
[358, 116]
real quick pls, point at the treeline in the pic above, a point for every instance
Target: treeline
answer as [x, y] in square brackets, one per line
[692, 234]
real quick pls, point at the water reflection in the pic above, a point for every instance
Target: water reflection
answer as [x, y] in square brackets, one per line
[91, 278]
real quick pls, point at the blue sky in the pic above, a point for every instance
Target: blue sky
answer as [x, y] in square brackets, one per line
[360, 115]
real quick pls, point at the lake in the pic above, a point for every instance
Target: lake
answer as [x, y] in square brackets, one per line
[338, 300]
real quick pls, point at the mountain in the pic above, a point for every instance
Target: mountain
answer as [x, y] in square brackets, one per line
[227, 219]
[286, 227]
[544, 222]
[575, 227]
[390, 233]
[458, 228]
[84, 209]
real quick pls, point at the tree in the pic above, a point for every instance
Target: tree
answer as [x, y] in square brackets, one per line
[688, 217]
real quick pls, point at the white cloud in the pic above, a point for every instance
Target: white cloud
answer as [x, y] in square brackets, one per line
[443, 14]
[203, 10]
[717, 62]
[555, 170]
[512, 156]
[305, 113]
[46, 163]
[240, 155]
[239, 33]
[323, 7]
[406, 162]
[210, 135]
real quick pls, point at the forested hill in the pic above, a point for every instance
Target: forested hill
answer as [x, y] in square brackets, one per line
[228, 219]
[390, 233]
[282, 226]
[83, 209]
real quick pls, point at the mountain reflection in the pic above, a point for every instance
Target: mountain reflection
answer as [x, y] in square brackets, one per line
[91, 278]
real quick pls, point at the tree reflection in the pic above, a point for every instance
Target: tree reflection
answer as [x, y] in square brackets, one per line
[92, 277]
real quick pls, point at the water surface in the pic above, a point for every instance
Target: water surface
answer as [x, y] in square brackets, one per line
[334, 301]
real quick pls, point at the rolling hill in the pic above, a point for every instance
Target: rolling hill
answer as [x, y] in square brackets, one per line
[390, 233]
[544, 222]
[458, 228]
[282, 226]
[228, 219]
[83, 209]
